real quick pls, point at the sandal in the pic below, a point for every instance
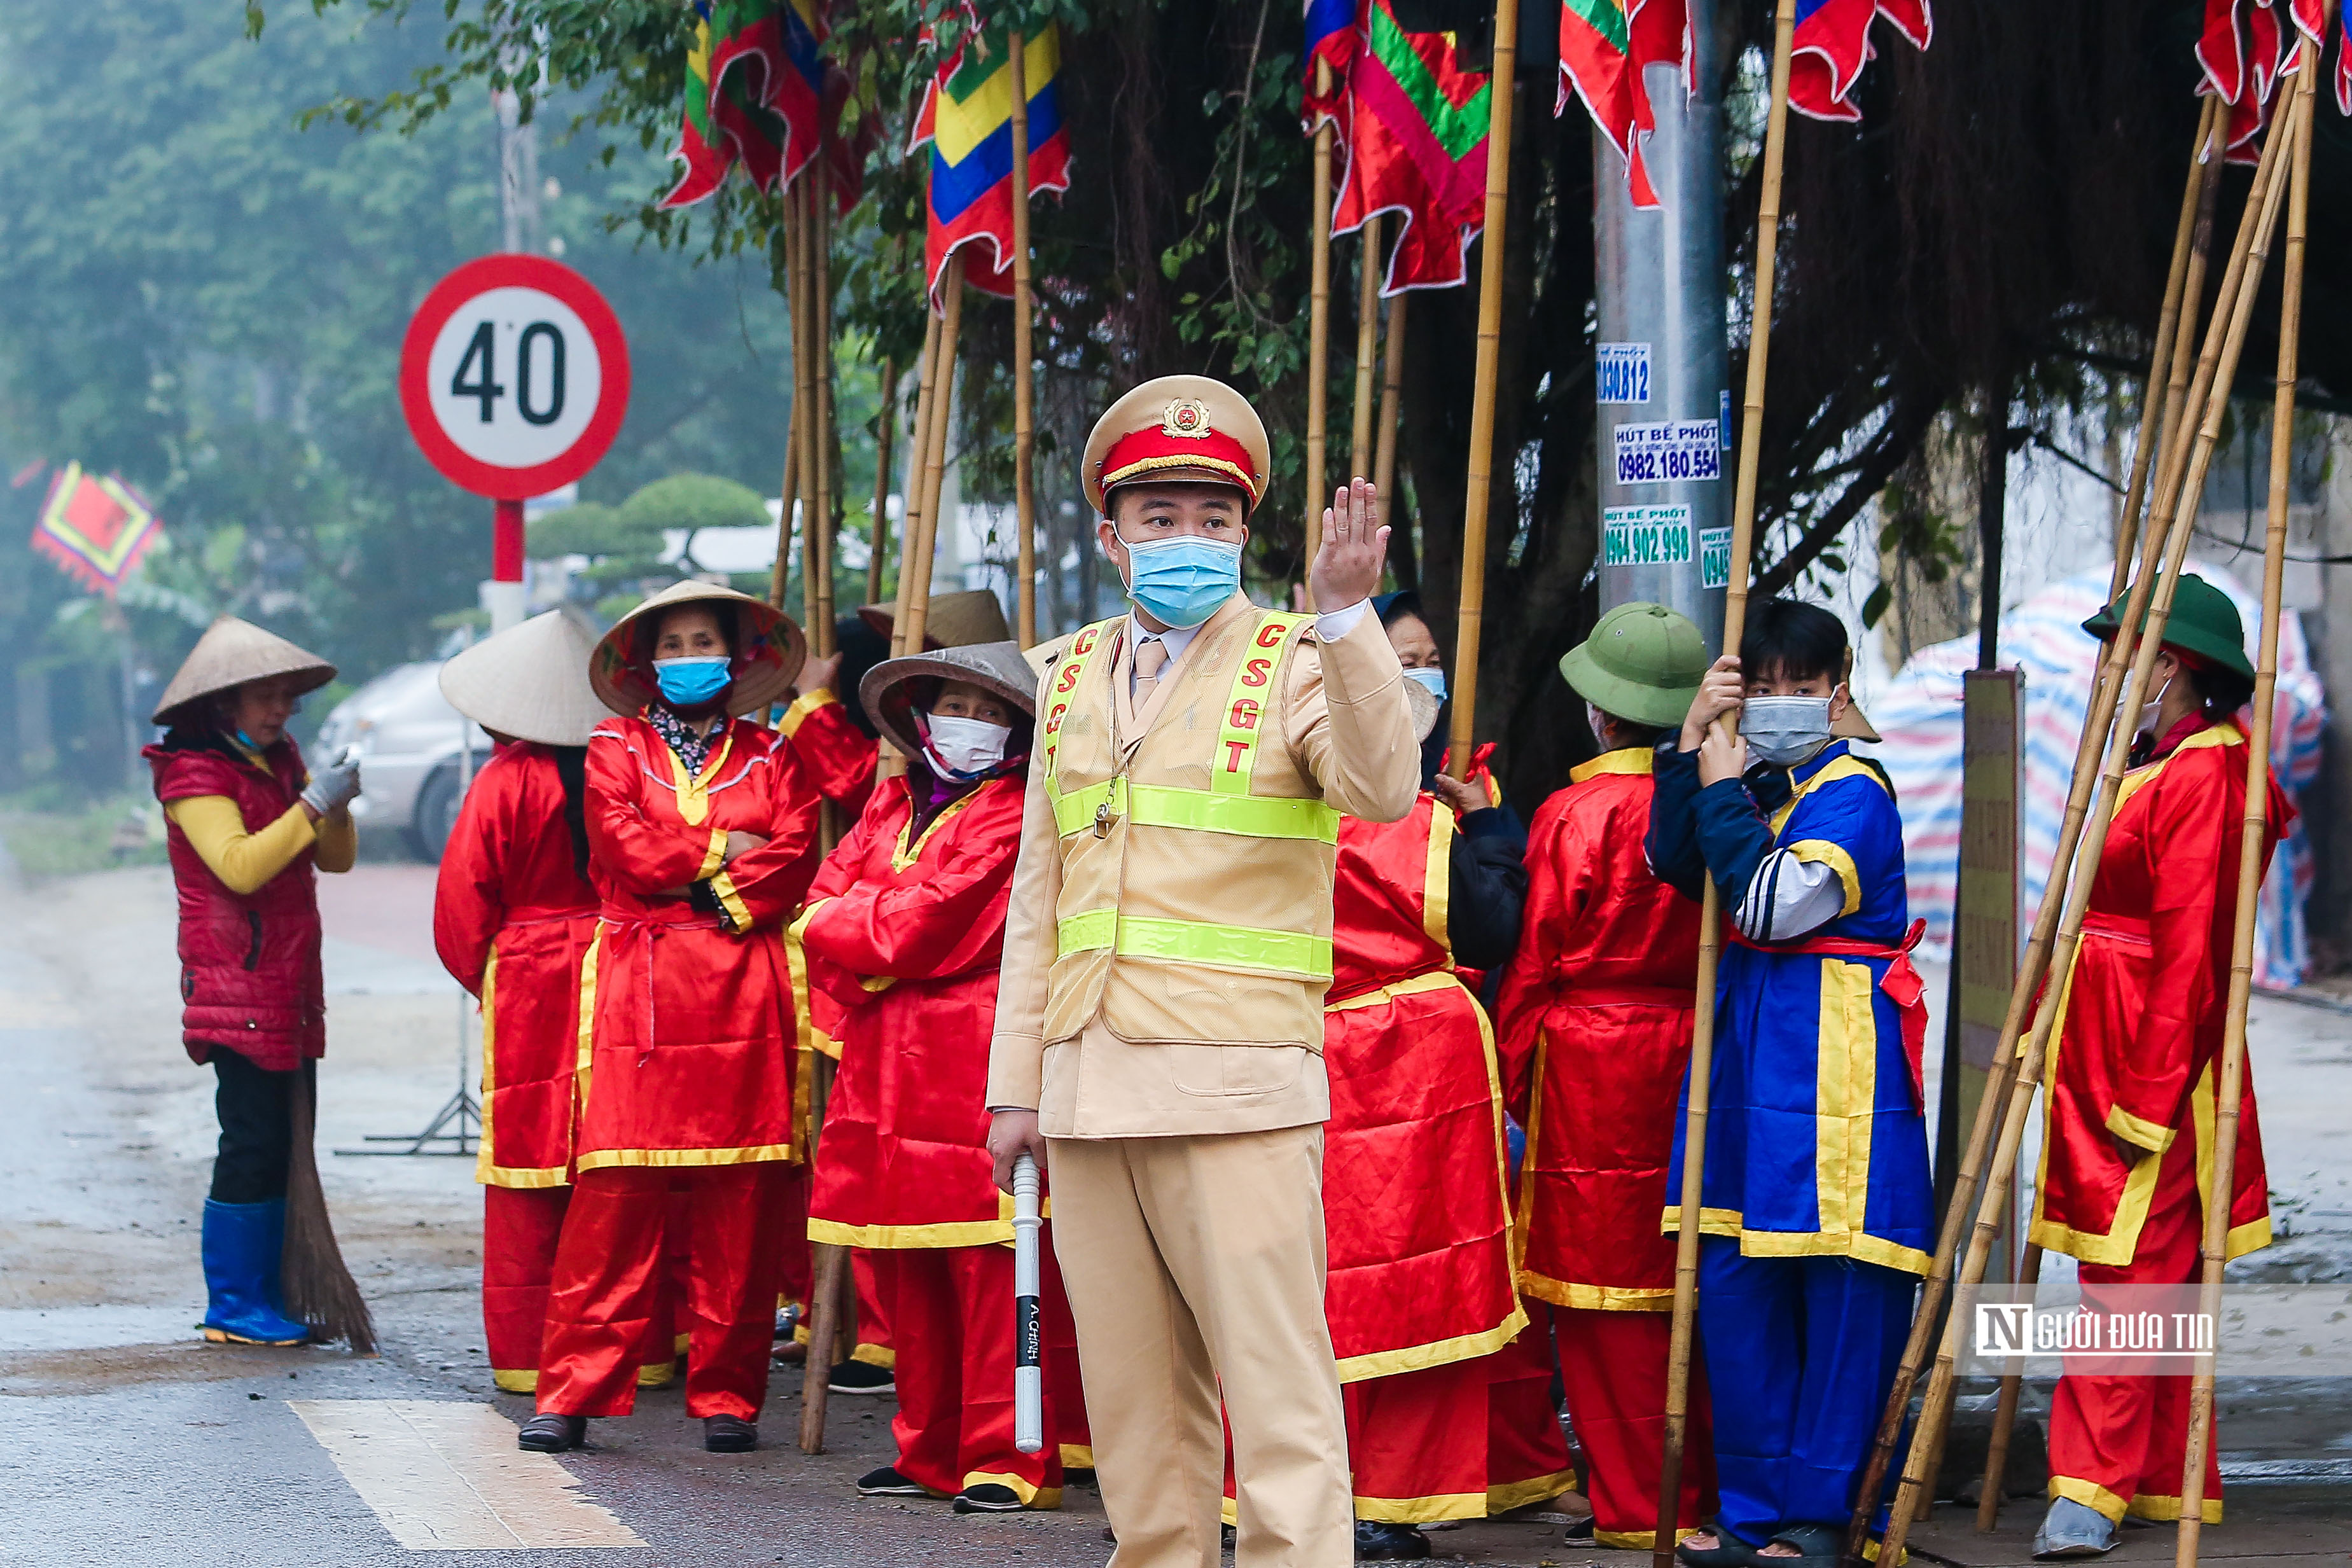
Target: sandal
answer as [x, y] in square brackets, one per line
[1728, 1551]
[1818, 1546]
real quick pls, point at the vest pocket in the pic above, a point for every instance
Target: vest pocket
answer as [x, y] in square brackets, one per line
[253, 948]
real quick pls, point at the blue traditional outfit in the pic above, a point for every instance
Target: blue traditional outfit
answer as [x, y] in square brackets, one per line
[1817, 1207]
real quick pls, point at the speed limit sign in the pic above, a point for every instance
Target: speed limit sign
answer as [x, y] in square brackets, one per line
[514, 376]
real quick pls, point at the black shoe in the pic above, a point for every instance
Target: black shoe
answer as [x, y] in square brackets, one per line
[1580, 1530]
[989, 1498]
[551, 1434]
[729, 1435]
[858, 1378]
[1378, 1540]
[888, 1482]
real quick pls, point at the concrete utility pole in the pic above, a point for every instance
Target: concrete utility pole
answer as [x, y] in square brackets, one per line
[1663, 379]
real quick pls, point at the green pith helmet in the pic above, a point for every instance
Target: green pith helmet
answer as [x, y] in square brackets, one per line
[1642, 662]
[2203, 622]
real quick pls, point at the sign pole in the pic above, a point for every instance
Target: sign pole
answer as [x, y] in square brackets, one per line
[504, 596]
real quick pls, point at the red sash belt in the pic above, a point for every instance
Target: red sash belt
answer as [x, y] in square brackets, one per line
[544, 915]
[2116, 927]
[1630, 994]
[1901, 983]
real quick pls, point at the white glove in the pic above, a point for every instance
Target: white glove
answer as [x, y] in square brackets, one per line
[335, 784]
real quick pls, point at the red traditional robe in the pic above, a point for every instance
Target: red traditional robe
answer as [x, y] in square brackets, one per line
[837, 756]
[693, 1058]
[2134, 1055]
[906, 933]
[1595, 1017]
[1413, 1180]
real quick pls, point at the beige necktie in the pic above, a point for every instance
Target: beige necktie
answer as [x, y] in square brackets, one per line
[1150, 658]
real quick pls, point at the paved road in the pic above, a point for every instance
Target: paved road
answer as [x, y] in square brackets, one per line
[124, 1437]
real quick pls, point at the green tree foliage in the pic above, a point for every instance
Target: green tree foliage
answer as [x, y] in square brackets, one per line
[208, 299]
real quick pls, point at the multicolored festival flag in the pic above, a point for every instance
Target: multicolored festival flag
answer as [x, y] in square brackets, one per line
[1416, 145]
[1605, 45]
[95, 529]
[2239, 56]
[967, 119]
[1332, 36]
[754, 89]
[1832, 44]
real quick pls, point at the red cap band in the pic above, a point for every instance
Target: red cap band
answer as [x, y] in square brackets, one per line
[1156, 449]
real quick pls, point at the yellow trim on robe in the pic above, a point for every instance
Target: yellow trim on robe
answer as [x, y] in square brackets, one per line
[722, 887]
[1596, 1298]
[1847, 767]
[604, 1159]
[1519, 1494]
[905, 854]
[880, 1356]
[485, 1173]
[1625, 759]
[586, 1059]
[909, 1238]
[1521, 1215]
[2138, 1130]
[1823, 852]
[2095, 1496]
[1864, 1248]
[658, 1375]
[1438, 878]
[2167, 1510]
[788, 723]
[1077, 1457]
[1436, 1352]
[1432, 1509]
[694, 789]
[1638, 1540]
[515, 1381]
[714, 858]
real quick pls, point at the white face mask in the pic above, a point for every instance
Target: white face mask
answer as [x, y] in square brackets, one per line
[1785, 731]
[965, 747]
[2151, 713]
[1599, 725]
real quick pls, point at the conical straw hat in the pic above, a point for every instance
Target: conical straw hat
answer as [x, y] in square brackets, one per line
[768, 650]
[529, 681]
[997, 667]
[957, 620]
[231, 652]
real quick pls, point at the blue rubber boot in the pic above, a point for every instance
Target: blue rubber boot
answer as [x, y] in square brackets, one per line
[241, 1243]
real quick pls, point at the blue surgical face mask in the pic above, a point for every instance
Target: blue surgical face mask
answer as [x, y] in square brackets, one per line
[1786, 732]
[1182, 581]
[1431, 676]
[690, 683]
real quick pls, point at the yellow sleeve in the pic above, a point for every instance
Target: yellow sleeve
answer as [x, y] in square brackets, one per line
[215, 831]
[339, 840]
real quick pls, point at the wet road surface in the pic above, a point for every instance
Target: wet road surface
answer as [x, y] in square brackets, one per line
[123, 1438]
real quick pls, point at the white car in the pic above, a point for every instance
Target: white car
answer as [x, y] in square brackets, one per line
[408, 737]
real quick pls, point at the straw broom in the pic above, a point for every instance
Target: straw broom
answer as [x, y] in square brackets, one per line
[1483, 391]
[1025, 434]
[313, 1282]
[2222, 1185]
[1710, 930]
[2192, 241]
[2217, 366]
[2038, 948]
[1319, 326]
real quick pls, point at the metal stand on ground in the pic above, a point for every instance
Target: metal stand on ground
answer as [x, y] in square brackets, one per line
[459, 1122]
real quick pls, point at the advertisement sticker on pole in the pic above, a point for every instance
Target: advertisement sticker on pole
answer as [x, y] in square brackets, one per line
[514, 378]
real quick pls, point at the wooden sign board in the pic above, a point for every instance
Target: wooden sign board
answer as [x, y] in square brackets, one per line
[1986, 932]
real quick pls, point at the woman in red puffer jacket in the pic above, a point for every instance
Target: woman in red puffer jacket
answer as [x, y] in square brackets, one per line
[249, 827]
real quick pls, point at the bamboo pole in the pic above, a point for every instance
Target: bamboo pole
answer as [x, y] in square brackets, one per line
[2217, 366]
[1367, 335]
[1392, 408]
[918, 452]
[1319, 332]
[2011, 1080]
[2192, 237]
[828, 439]
[2004, 1415]
[801, 250]
[1491, 247]
[1710, 930]
[779, 574]
[878, 523]
[2253, 848]
[918, 575]
[1025, 434]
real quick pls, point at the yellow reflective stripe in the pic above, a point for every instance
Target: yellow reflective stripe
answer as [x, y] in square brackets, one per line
[1287, 953]
[1166, 806]
[1246, 707]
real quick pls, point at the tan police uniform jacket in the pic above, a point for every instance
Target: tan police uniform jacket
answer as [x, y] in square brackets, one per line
[1168, 943]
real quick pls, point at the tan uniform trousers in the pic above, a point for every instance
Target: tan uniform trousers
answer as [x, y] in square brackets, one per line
[1194, 1262]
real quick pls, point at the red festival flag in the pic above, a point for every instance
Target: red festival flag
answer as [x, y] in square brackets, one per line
[1605, 45]
[95, 529]
[1332, 38]
[1417, 146]
[967, 119]
[1832, 44]
[754, 94]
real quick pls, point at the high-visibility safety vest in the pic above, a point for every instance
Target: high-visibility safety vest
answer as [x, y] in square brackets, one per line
[1196, 878]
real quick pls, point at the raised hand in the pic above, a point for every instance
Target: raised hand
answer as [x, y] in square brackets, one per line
[1355, 550]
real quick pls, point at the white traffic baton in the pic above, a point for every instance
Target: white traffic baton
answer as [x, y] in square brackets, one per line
[1028, 1372]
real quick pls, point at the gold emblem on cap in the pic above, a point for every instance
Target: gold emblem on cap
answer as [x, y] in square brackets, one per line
[1187, 417]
